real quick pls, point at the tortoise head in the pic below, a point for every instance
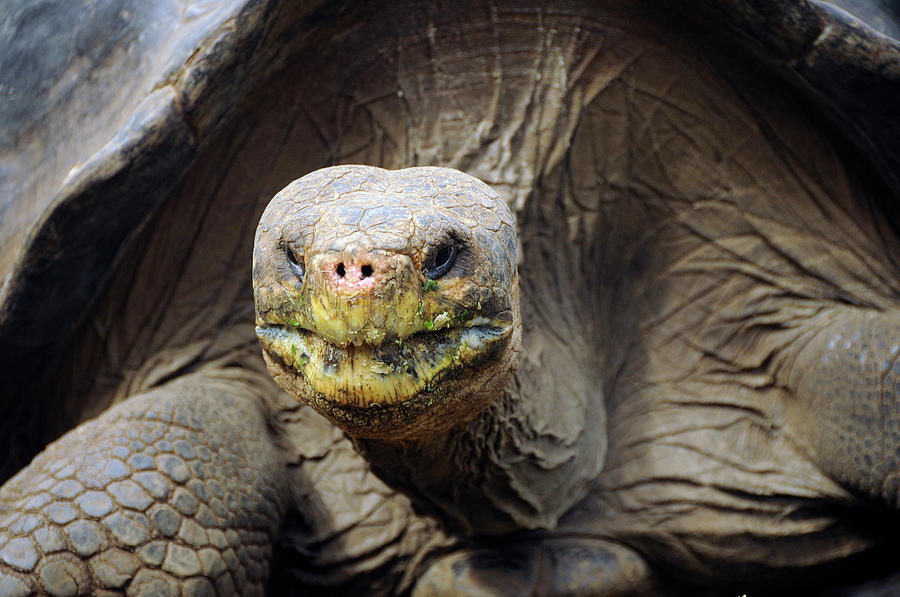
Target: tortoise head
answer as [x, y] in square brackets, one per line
[388, 300]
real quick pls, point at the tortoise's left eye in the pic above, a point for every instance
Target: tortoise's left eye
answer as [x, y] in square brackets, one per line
[296, 263]
[441, 262]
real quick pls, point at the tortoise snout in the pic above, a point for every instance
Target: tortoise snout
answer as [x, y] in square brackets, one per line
[356, 272]
[361, 296]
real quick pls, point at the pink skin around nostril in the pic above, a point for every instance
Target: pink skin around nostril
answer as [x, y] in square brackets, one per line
[354, 277]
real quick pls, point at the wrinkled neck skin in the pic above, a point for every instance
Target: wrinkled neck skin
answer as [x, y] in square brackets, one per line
[453, 475]
[529, 457]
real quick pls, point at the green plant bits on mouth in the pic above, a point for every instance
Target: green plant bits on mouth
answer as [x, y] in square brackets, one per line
[441, 320]
[429, 285]
[303, 360]
[294, 323]
[429, 325]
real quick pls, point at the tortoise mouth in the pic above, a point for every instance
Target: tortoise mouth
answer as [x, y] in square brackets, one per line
[390, 373]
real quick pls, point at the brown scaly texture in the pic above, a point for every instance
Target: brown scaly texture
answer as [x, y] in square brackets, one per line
[161, 494]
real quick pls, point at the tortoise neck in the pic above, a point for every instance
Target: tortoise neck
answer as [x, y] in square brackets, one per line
[456, 476]
[499, 474]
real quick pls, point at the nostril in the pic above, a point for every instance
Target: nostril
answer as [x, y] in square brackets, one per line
[340, 270]
[366, 271]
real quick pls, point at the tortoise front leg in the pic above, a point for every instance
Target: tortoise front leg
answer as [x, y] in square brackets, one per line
[177, 491]
[847, 377]
[539, 567]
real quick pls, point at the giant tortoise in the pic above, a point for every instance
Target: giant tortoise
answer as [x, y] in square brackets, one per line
[645, 344]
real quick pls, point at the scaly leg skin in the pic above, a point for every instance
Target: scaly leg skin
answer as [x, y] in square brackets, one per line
[545, 567]
[177, 491]
[848, 376]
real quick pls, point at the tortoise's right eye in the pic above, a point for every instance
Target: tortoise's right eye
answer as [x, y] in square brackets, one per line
[296, 263]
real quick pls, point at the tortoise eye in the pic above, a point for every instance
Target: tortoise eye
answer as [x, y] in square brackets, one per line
[296, 263]
[442, 261]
